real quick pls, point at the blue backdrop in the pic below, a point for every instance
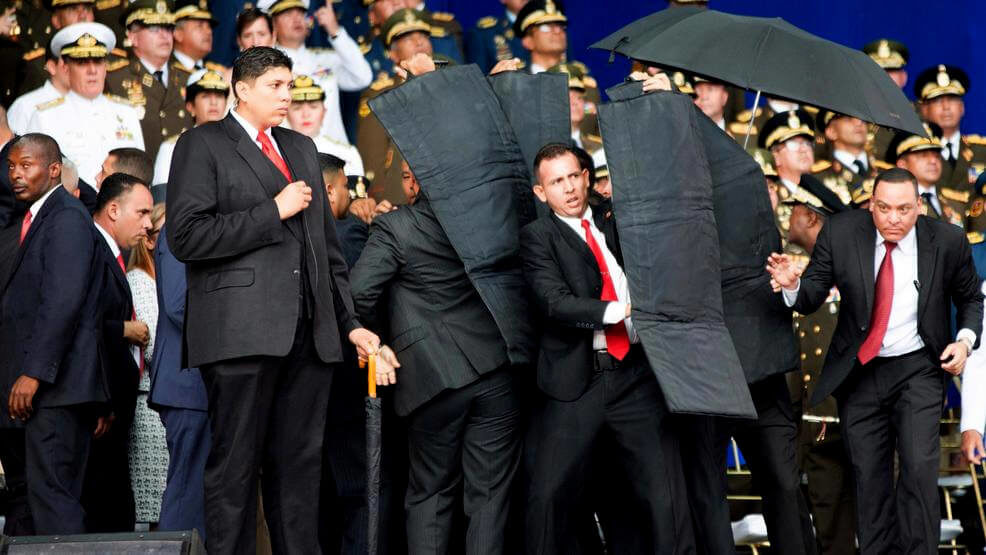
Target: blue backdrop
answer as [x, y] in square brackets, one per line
[947, 31]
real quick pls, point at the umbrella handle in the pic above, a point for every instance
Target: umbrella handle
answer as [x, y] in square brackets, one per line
[371, 376]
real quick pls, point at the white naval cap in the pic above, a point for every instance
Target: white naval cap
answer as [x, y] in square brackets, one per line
[599, 158]
[83, 40]
[274, 7]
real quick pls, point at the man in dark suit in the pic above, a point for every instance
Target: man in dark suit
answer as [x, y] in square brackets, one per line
[268, 300]
[51, 319]
[122, 217]
[179, 395]
[898, 274]
[455, 387]
[595, 381]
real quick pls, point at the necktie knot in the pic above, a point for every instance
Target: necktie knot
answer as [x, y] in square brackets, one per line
[860, 167]
[889, 245]
[159, 75]
[586, 226]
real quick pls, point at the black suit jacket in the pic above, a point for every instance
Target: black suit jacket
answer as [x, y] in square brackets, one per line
[243, 263]
[436, 322]
[51, 314]
[843, 257]
[118, 307]
[566, 284]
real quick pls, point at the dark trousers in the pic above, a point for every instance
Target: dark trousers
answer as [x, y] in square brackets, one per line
[464, 439]
[769, 445]
[108, 495]
[266, 413]
[57, 444]
[622, 408]
[894, 403]
[17, 511]
[830, 488]
[183, 503]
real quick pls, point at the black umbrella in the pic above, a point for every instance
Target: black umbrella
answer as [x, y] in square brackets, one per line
[373, 430]
[767, 55]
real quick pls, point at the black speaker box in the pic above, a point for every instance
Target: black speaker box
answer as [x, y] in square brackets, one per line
[159, 543]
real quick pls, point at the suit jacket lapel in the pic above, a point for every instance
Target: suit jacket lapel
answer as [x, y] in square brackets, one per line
[927, 258]
[294, 158]
[113, 264]
[575, 242]
[36, 222]
[866, 248]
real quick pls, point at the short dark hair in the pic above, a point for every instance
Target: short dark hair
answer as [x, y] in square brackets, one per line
[248, 16]
[46, 145]
[115, 186]
[256, 61]
[586, 163]
[328, 162]
[133, 161]
[551, 151]
[896, 175]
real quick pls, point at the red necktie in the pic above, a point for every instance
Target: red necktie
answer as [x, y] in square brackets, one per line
[133, 314]
[25, 225]
[617, 340]
[268, 149]
[881, 307]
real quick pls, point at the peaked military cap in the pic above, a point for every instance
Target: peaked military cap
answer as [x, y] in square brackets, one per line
[941, 80]
[906, 143]
[83, 40]
[786, 125]
[888, 54]
[402, 22]
[537, 12]
[149, 12]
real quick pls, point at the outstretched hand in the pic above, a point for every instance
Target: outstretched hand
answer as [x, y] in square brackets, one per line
[783, 272]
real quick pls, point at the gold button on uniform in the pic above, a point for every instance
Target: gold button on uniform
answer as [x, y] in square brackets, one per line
[817, 329]
[803, 356]
[161, 113]
[164, 132]
[818, 352]
[807, 377]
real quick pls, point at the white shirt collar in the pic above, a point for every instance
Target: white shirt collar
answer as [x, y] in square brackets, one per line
[535, 69]
[907, 245]
[186, 60]
[576, 223]
[929, 189]
[151, 69]
[36, 205]
[955, 139]
[791, 186]
[251, 131]
[577, 137]
[722, 123]
[849, 160]
[114, 248]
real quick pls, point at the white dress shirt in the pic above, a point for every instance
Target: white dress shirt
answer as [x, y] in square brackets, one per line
[151, 69]
[187, 61]
[342, 67]
[115, 249]
[935, 203]
[252, 132]
[849, 161]
[162, 163]
[87, 129]
[616, 310]
[577, 138]
[20, 111]
[790, 185]
[974, 389]
[951, 145]
[902, 335]
[36, 205]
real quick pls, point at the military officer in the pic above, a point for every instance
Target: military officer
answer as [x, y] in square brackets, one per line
[405, 34]
[940, 91]
[305, 116]
[63, 13]
[193, 35]
[375, 50]
[340, 68]
[712, 97]
[148, 77]
[494, 38]
[576, 102]
[846, 161]
[111, 13]
[892, 56]
[443, 26]
[206, 94]
[87, 123]
[821, 454]
[922, 157]
[772, 106]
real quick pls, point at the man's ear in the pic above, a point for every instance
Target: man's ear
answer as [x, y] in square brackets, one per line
[527, 42]
[539, 192]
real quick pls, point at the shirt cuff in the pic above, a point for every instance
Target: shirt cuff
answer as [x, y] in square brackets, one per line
[966, 333]
[791, 295]
[615, 312]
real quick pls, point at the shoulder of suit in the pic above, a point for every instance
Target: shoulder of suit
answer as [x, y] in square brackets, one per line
[117, 65]
[487, 22]
[820, 166]
[33, 54]
[50, 104]
[955, 195]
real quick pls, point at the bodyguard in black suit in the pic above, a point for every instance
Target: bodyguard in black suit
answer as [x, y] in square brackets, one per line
[898, 274]
[122, 217]
[268, 299]
[50, 327]
[592, 388]
[454, 385]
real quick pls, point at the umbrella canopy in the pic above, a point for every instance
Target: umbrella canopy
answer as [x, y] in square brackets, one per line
[768, 55]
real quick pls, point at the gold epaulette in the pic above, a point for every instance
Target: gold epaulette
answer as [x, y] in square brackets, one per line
[118, 99]
[438, 32]
[180, 66]
[974, 139]
[119, 52]
[810, 109]
[594, 138]
[975, 237]
[745, 115]
[107, 4]
[486, 22]
[34, 54]
[119, 64]
[590, 82]
[50, 103]
[820, 166]
[739, 128]
[955, 196]
[382, 82]
[364, 48]
[581, 67]
[881, 165]
[442, 16]
[218, 68]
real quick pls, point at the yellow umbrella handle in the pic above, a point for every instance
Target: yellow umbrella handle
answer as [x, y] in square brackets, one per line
[371, 377]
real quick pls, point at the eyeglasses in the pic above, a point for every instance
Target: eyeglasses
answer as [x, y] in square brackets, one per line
[550, 27]
[796, 144]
